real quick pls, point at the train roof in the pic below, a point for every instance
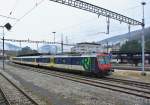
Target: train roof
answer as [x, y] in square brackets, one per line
[46, 56]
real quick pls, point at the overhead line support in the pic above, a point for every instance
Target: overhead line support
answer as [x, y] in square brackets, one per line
[98, 10]
[32, 41]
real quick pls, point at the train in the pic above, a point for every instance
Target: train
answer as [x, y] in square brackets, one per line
[98, 64]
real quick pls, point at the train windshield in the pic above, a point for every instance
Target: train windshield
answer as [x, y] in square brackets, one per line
[103, 59]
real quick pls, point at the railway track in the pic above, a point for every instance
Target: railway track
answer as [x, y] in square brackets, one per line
[125, 86]
[142, 85]
[130, 68]
[12, 94]
[3, 98]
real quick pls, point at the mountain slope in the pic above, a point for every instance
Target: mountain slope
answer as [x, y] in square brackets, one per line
[9, 47]
[134, 35]
[48, 49]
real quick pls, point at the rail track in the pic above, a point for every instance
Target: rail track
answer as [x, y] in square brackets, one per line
[139, 89]
[3, 98]
[130, 68]
[14, 95]
[142, 85]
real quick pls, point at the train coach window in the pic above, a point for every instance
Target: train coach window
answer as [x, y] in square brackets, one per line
[57, 60]
[43, 60]
[17, 59]
[28, 59]
[76, 61]
[63, 60]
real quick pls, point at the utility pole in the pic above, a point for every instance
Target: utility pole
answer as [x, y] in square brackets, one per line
[54, 36]
[143, 41]
[66, 40]
[108, 24]
[20, 45]
[3, 50]
[107, 46]
[8, 27]
[107, 32]
[18, 51]
[129, 29]
[62, 44]
[37, 45]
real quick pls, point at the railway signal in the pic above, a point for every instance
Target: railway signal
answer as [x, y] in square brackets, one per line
[8, 27]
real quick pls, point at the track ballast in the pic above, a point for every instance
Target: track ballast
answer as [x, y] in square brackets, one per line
[139, 89]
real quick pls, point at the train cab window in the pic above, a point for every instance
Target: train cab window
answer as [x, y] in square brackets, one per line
[103, 59]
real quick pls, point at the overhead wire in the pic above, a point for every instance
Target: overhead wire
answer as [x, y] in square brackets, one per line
[14, 7]
[62, 28]
[19, 19]
[29, 11]
[37, 4]
[8, 17]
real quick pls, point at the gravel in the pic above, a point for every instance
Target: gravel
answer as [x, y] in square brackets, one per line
[64, 92]
[14, 96]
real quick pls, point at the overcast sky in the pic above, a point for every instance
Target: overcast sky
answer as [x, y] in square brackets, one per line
[77, 25]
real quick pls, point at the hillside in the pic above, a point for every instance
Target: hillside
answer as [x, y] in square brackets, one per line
[134, 35]
[48, 49]
[9, 47]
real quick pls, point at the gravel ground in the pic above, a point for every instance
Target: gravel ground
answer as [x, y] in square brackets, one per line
[64, 92]
[14, 96]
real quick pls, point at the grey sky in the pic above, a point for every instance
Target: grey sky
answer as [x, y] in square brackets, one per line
[77, 25]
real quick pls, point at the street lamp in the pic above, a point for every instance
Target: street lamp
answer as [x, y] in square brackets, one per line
[54, 36]
[143, 40]
[8, 27]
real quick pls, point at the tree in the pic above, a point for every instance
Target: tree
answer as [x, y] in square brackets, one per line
[27, 50]
[147, 45]
[131, 46]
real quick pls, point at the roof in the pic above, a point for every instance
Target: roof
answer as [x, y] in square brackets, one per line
[88, 43]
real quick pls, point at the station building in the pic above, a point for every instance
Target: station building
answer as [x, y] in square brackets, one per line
[87, 48]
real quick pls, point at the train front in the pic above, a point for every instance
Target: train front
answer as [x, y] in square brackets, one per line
[104, 64]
